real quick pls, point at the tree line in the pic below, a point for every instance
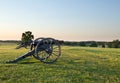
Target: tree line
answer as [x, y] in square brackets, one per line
[27, 38]
[112, 44]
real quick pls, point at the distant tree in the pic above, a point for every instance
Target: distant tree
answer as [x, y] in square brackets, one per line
[103, 45]
[82, 43]
[66, 43]
[109, 44]
[93, 44]
[116, 43]
[74, 43]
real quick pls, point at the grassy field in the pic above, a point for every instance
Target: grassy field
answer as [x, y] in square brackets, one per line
[76, 65]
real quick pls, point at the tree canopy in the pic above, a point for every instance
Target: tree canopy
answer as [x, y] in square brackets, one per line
[26, 40]
[27, 37]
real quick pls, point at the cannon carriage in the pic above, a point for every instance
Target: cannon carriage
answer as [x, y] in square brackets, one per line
[46, 50]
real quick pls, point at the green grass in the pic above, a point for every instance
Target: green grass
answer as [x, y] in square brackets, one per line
[76, 65]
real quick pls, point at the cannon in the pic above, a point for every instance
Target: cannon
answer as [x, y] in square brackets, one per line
[46, 50]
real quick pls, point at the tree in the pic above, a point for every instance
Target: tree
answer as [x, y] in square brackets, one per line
[93, 44]
[116, 43]
[82, 43]
[26, 40]
[27, 37]
[109, 44]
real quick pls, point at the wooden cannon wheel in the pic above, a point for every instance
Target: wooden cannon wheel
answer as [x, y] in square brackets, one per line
[47, 50]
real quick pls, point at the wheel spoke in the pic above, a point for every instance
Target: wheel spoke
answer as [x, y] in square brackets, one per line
[55, 54]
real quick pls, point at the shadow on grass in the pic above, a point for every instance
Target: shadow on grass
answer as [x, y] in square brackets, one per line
[27, 62]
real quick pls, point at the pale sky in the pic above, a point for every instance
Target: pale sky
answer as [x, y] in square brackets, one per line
[74, 20]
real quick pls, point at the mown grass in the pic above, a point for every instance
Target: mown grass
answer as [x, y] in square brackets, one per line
[76, 65]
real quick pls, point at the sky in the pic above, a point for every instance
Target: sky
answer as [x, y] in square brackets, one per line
[69, 20]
